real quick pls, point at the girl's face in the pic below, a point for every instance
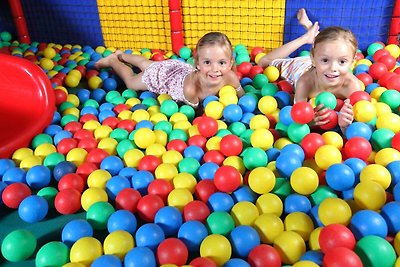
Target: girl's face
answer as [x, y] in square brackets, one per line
[332, 61]
[214, 62]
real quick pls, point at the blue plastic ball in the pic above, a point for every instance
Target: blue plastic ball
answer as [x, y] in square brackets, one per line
[207, 170]
[359, 129]
[104, 75]
[297, 203]
[89, 110]
[356, 165]
[284, 115]
[396, 192]
[220, 201]
[14, 175]
[110, 84]
[149, 235]
[391, 213]
[112, 164]
[141, 180]
[74, 230]
[192, 233]
[244, 193]
[208, 99]
[5, 164]
[314, 216]
[340, 177]
[104, 114]
[61, 135]
[169, 219]
[38, 176]
[122, 220]
[140, 257]
[98, 94]
[273, 153]
[286, 164]
[33, 209]
[243, 239]
[83, 94]
[56, 117]
[236, 262]
[127, 172]
[106, 106]
[107, 260]
[246, 118]
[293, 150]
[247, 103]
[315, 256]
[115, 185]
[193, 151]
[370, 87]
[368, 222]
[246, 81]
[284, 99]
[232, 113]
[394, 169]
[62, 168]
[52, 129]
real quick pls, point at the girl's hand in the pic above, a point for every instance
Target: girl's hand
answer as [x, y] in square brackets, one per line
[320, 116]
[346, 115]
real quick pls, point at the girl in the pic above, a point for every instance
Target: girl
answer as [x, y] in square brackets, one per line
[184, 83]
[327, 69]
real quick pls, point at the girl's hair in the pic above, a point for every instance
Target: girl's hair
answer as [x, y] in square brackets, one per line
[336, 33]
[214, 38]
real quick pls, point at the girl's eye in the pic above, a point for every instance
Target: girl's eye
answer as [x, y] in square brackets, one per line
[343, 62]
[206, 62]
[324, 60]
[222, 63]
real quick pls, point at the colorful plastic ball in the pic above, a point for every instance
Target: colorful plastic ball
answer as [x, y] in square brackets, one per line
[267, 104]
[254, 157]
[227, 179]
[54, 253]
[107, 260]
[118, 243]
[122, 220]
[220, 222]
[204, 189]
[290, 246]
[116, 184]
[128, 199]
[149, 235]
[196, 210]
[144, 137]
[232, 113]
[38, 176]
[207, 126]
[302, 112]
[68, 201]
[364, 111]
[192, 233]
[247, 103]
[327, 155]
[231, 145]
[74, 230]
[172, 251]
[140, 256]
[390, 212]
[71, 181]
[220, 201]
[375, 251]
[238, 262]
[18, 245]
[185, 52]
[98, 214]
[304, 180]
[264, 255]
[368, 222]
[33, 209]
[261, 180]
[268, 226]
[369, 195]
[286, 165]
[297, 203]
[389, 121]
[179, 198]
[86, 250]
[386, 156]
[376, 173]
[341, 256]
[297, 132]
[327, 99]
[300, 223]
[334, 210]
[394, 169]
[336, 235]
[169, 219]
[244, 213]
[217, 248]
[243, 239]
[148, 206]
[332, 120]
[377, 69]
[340, 177]
[262, 138]
[310, 143]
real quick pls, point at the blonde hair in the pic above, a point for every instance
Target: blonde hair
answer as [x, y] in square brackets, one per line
[214, 38]
[336, 33]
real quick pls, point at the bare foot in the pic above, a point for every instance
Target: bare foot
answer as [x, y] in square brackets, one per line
[303, 19]
[311, 33]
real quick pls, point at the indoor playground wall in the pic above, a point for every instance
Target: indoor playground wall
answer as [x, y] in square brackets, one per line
[137, 24]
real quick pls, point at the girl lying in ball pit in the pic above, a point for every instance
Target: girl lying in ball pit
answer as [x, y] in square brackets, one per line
[183, 82]
[326, 69]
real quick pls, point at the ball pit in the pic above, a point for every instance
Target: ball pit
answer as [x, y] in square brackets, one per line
[246, 183]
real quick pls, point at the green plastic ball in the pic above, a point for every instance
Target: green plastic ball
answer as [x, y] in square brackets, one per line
[5, 36]
[41, 139]
[304, 53]
[67, 119]
[237, 128]
[189, 165]
[327, 99]
[220, 222]
[178, 134]
[321, 194]
[185, 52]
[381, 138]
[54, 253]
[282, 188]
[269, 89]
[240, 58]
[254, 157]
[150, 102]
[375, 251]
[48, 193]
[124, 146]
[188, 111]
[239, 47]
[296, 131]
[119, 134]
[392, 98]
[260, 80]
[98, 213]
[129, 93]
[18, 245]
[165, 126]
[372, 48]
[169, 107]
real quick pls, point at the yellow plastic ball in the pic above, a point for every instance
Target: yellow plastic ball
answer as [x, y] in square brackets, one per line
[376, 173]
[93, 195]
[72, 80]
[313, 242]
[162, 97]
[300, 223]
[334, 210]
[364, 61]
[172, 156]
[310, 163]
[387, 155]
[258, 57]
[132, 157]
[157, 117]
[228, 98]
[236, 162]
[227, 89]
[272, 73]
[217, 248]
[133, 101]
[397, 243]
[102, 132]
[259, 121]
[125, 115]
[86, 250]
[268, 227]
[261, 180]
[369, 195]
[377, 92]
[389, 121]
[71, 111]
[333, 138]
[74, 99]
[98, 178]
[156, 150]
[30, 161]
[140, 115]
[20, 154]
[244, 213]
[214, 109]
[75, 73]
[393, 49]
[45, 149]
[182, 125]
[222, 125]
[178, 116]
[213, 143]
[49, 52]
[144, 137]
[382, 108]
[91, 125]
[161, 137]
[282, 142]
[290, 246]
[179, 198]
[74, 264]
[193, 130]
[305, 263]
[46, 63]
[304, 180]
[95, 82]
[118, 243]
[327, 155]
[269, 203]
[185, 180]
[267, 104]
[77, 156]
[364, 111]
[166, 171]
[262, 138]
[109, 145]
[153, 110]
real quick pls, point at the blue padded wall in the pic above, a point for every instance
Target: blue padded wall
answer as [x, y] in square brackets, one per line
[369, 20]
[6, 20]
[63, 21]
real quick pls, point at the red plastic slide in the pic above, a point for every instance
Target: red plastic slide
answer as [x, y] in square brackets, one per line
[27, 103]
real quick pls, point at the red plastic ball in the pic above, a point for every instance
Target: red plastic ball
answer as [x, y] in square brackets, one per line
[66, 144]
[302, 112]
[264, 255]
[310, 144]
[339, 104]
[128, 125]
[358, 96]
[207, 126]
[388, 60]
[379, 53]
[255, 70]
[285, 86]
[161, 188]
[83, 133]
[91, 73]
[358, 147]
[215, 156]
[68, 201]
[333, 120]
[14, 193]
[172, 251]
[244, 68]
[88, 117]
[204, 189]
[341, 256]
[385, 78]
[197, 140]
[88, 143]
[81, 69]
[120, 107]
[202, 262]
[231, 145]
[377, 70]
[256, 50]
[196, 210]
[365, 78]
[85, 169]
[177, 144]
[396, 141]
[128, 199]
[157, 57]
[111, 121]
[60, 96]
[148, 206]
[71, 180]
[394, 82]
[227, 178]
[96, 156]
[336, 235]
[73, 126]
[149, 163]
